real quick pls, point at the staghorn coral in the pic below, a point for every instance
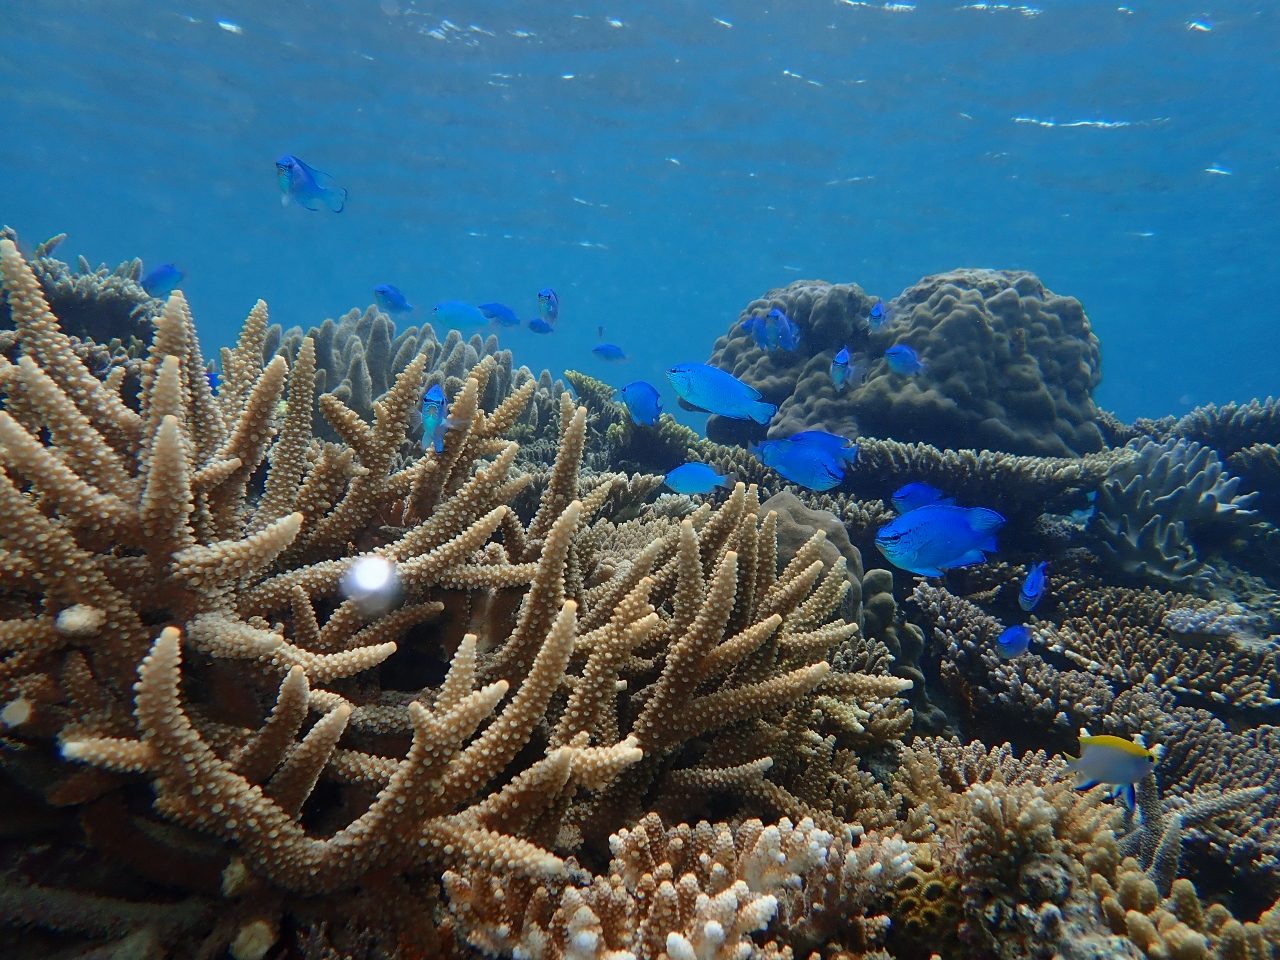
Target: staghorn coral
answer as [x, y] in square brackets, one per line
[309, 759]
[1158, 513]
[103, 304]
[1229, 428]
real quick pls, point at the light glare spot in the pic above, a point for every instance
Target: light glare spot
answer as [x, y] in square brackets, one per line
[230, 26]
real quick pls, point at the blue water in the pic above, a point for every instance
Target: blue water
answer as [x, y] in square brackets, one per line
[661, 164]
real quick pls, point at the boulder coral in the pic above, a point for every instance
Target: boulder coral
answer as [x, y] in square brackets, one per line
[1009, 365]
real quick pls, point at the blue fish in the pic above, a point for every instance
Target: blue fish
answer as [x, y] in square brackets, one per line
[215, 380]
[548, 304]
[840, 368]
[538, 325]
[937, 537]
[903, 360]
[1013, 641]
[1033, 587]
[643, 402]
[390, 299]
[500, 314]
[307, 186]
[162, 281]
[841, 449]
[695, 478]
[912, 495]
[435, 417]
[711, 389]
[877, 316]
[456, 313]
[609, 351]
[809, 465]
[773, 331]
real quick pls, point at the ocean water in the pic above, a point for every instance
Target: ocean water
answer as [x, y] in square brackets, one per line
[661, 164]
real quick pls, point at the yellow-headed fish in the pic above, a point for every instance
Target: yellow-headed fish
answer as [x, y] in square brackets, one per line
[1111, 760]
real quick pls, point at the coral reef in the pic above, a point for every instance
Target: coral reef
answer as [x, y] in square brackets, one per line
[590, 723]
[1009, 365]
[102, 304]
[1160, 514]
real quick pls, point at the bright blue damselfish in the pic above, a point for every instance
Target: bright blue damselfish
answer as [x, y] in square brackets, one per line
[695, 478]
[903, 360]
[215, 381]
[938, 537]
[1033, 587]
[643, 402]
[435, 417]
[548, 305]
[711, 389]
[538, 325]
[773, 331]
[877, 316]
[390, 299]
[162, 281]
[842, 450]
[840, 368]
[458, 314]
[909, 496]
[809, 465]
[308, 187]
[1013, 641]
[609, 351]
[500, 314]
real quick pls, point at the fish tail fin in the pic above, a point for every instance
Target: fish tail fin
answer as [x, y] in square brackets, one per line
[335, 199]
[762, 412]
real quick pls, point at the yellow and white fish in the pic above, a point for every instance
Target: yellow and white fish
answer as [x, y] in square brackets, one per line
[1112, 760]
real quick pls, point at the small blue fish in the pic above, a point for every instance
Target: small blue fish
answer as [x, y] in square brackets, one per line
[390, 299]
[1033, 587]
[937, 537]
[840, 368]
[215, 380]
[456, 313]
[1013, 641]
[912, 495]
[162, 281]
[500, 314]
[538, 325]
[308, 187]
[695, 478]
[609, 351]
[711, 389]
[903, 360]
[643, 402]
[877, 316]
[435, 417]
[548, 304]
[809, 465]
[1111, 760]
[773, 331]
[841, 449]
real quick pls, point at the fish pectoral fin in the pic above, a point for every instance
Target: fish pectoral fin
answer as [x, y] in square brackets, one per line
[686, 405]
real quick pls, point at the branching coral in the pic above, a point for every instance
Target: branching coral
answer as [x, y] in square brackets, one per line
[555, 683]
[1158, 512]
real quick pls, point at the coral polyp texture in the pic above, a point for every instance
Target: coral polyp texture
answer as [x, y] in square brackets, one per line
[590, 721]
[1008, 365]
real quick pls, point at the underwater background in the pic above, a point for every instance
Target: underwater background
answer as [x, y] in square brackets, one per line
[646, 482]
[659, 164]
